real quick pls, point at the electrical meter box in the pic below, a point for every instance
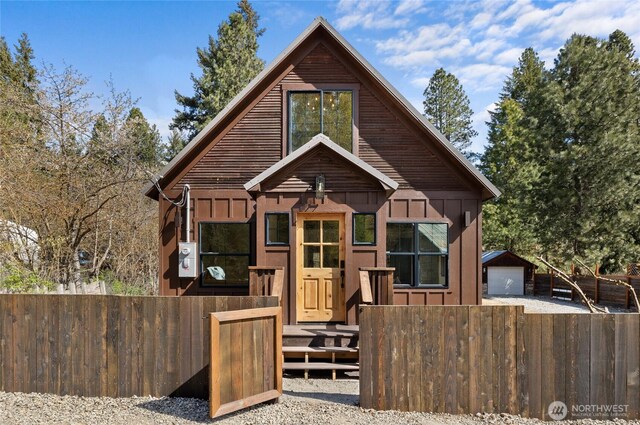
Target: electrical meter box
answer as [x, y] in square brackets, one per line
[187, 266]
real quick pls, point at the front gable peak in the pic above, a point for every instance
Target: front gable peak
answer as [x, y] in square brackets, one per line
[319, 143]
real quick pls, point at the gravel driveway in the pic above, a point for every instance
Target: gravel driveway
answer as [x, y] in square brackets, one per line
[315, 401]
[542, 304]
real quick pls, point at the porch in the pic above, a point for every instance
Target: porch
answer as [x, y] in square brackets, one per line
[324, 346]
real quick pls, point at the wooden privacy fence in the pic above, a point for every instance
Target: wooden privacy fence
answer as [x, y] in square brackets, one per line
[602, 292]
[246, 359]
[469, 359]
[94, 345]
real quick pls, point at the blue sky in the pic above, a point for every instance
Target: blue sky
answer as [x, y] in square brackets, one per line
[148, 47]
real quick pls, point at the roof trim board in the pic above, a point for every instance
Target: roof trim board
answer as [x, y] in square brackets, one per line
[150, 189]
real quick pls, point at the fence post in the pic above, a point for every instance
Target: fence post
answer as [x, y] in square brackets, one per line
[551, 284]
[534, 282]
[628, 292]
[597, 289]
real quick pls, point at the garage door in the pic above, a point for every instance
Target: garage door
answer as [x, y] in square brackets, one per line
[505, 280]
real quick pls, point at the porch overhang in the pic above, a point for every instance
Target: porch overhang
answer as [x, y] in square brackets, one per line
[320, 140]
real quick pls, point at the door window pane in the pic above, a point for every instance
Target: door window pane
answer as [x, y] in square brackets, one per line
[277, 229]
[312, 256]
[304, 116]
[432, 237]
[330, 231]
[364, 229]
[331, 256]
[311, 231]
[337, 109]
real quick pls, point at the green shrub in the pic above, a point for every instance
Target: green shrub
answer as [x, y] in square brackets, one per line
[15, 278]
[119, 287]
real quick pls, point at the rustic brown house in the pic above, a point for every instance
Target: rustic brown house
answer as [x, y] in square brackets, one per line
[319, 166]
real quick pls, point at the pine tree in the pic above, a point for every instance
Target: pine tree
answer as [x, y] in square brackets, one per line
[228, 64]
[446, 105]
[591, 187]
[175, 143]
[510, 160]
[148, 142]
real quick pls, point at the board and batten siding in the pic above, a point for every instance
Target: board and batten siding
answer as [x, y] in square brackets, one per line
[431, 186]
[232, 206]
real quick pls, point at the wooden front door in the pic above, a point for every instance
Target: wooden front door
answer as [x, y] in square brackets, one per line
[320, 268]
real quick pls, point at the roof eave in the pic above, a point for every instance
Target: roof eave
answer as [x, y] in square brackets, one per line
[150, 189]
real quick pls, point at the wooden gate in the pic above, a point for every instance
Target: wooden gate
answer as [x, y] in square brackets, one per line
[246, 359]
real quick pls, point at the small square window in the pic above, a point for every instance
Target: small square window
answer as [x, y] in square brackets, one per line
[277, 229]
[364, 229]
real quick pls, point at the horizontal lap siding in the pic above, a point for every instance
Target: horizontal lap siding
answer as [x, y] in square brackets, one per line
[255, 142]
[339, 175]
[390, 147]
[250, 147]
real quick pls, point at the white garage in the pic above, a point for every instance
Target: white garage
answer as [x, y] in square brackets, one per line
[505, 280]
[505, 273]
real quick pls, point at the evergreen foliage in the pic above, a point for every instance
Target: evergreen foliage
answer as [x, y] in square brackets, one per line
[563, 148]
[446, 105]
[175, 143]
[148, 148]
[228, 64]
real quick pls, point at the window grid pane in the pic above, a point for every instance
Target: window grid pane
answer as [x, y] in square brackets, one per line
[419, 252]
[226, 246]
[305, 117]
[327, 112]
[277, 229]
[364, 229]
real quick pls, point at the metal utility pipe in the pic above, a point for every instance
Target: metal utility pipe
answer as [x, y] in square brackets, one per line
[188, 194]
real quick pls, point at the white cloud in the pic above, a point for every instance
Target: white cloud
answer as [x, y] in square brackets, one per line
[481, 117]
[409, 6]
[368, 15]
[421, 58]
[548, 55]
[481, 76]
[509, 56]
[424, 38]
[481, 20]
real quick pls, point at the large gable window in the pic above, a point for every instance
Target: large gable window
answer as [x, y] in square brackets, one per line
[321, 111]
[419, 252]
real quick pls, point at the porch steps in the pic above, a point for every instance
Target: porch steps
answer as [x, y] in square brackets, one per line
[319, 350]
[321, 347]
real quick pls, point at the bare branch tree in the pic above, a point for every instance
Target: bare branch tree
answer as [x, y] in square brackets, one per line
[615, 282]
[573, 284]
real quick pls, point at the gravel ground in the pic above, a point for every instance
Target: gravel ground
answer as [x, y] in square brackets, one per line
[314, 401]
[542, 304]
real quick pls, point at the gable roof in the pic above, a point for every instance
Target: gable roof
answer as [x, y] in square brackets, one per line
[316, 141]
[490, 256]
[489, 190]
